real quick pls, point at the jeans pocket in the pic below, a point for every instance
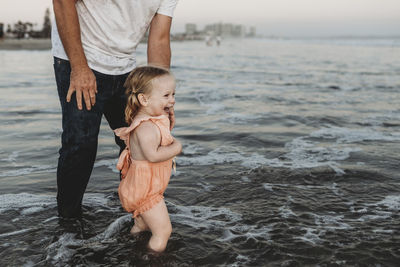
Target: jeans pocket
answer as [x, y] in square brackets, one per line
[61, 66]
[62, 72]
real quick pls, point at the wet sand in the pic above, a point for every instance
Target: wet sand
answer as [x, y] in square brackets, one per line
[25, 44]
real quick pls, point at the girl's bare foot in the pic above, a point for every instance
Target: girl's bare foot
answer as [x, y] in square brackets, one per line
[139, 226]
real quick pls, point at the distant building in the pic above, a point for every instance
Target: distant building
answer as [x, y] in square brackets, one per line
[238, 31]
[218, 29]
[190, 28]
[226, 29]
[214, 32]
[252, 32]
[211, 29]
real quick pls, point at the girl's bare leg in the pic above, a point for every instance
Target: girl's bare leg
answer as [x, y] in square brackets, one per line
[139, 226]
[157, 219]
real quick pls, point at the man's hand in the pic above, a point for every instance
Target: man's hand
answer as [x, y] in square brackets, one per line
[171, 118]
[83, 82]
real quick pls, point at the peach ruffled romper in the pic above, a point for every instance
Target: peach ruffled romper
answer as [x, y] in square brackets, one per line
[143, 183]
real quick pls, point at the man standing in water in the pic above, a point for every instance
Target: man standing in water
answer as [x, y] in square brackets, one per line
[94, 43]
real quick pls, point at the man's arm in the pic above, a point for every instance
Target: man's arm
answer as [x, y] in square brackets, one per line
[82, 80]
[159, 49]
[158, 46]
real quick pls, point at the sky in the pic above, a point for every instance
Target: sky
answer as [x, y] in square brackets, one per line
[270, 17]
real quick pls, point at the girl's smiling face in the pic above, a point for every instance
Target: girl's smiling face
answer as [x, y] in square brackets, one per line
[162, 96]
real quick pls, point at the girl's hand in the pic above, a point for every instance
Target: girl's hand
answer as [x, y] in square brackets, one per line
[171, 118]
[178, 146]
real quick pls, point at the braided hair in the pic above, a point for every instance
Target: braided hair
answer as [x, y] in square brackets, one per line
[139, 82]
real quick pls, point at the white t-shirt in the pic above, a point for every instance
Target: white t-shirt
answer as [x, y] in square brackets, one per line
[111, 31]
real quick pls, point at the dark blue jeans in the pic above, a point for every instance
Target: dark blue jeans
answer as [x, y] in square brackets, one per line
[80, 134]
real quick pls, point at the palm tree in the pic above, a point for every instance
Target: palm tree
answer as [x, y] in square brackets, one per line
[46, 30]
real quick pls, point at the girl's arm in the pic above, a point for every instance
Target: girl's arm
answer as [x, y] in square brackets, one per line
[149, 139]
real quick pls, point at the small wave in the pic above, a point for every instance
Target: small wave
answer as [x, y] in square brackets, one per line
[302, 154]
[383, 231]
[11, 157]
[247, 231]
[192, 149]
[222, 156]
[109, 163]
[268, 187]
[323, 223]
[220, 220]
[390, 202]
[32, 210]
[361, 210]
[214, 108]
[28, 204]
[345, 135]
[245, 119]
[16, 232]
[203, 217]
[217, 156]
[390, 119]
[378, 215]
[307, 154]
[311, 235]
[59, 252]
[205, 186]
[245, 179]
[335, 189]
[96, 200]
[331, 222]
[241, 260]
[212, 100]
[114, 228]
[380, 210]
[286, 212]
[28, 170]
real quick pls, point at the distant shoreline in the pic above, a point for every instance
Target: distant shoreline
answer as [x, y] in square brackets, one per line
[25, 44]
[33, 44]
[45, 44]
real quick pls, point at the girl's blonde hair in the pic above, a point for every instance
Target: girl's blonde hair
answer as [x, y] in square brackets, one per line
[139, 82]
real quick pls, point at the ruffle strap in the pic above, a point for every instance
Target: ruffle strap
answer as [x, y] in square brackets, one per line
[124, 132]
[124, 162]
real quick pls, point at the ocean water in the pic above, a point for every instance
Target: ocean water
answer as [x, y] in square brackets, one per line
[290, 157]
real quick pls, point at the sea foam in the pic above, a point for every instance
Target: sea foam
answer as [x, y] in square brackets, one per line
[219, 219]
[345, 135]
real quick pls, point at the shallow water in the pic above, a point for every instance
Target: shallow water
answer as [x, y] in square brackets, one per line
[290, 157]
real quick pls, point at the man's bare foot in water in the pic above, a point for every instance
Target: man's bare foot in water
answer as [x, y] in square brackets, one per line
[139, 226]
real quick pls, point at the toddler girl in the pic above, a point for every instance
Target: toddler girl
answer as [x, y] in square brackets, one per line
[146, 162]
